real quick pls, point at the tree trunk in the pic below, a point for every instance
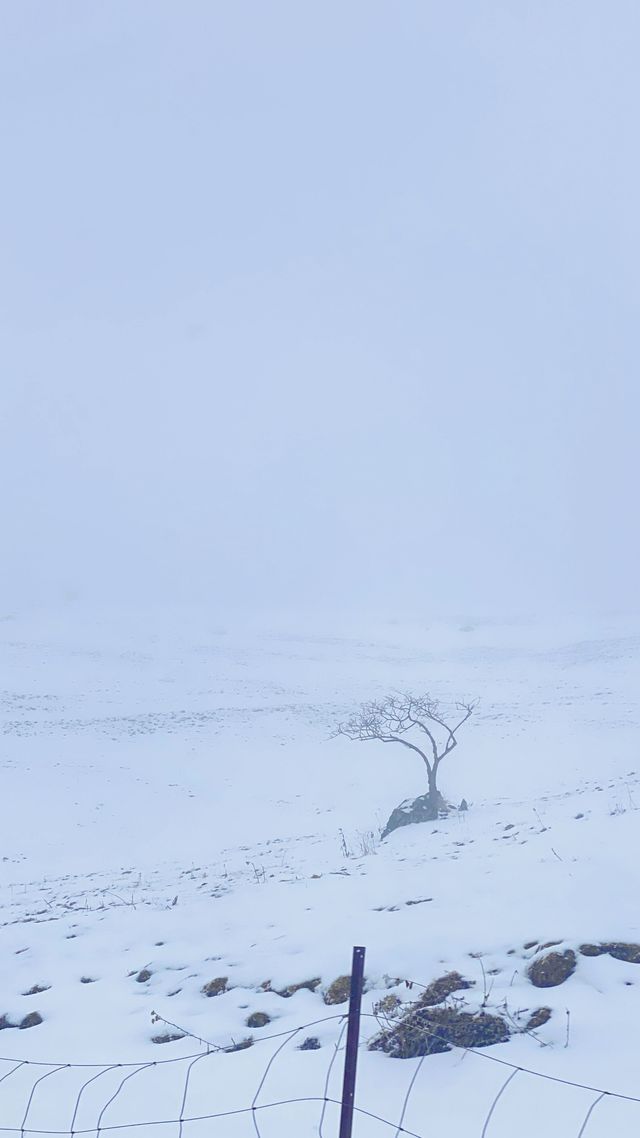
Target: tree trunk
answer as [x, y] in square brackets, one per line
[434, 796]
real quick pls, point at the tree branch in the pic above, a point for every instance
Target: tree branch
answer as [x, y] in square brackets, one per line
[390, 719]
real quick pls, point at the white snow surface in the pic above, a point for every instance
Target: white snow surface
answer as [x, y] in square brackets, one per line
[174, 801]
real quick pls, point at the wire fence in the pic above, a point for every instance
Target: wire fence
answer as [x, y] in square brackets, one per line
[72, 1099]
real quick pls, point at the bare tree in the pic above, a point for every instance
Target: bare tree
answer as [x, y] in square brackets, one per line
[415, 721]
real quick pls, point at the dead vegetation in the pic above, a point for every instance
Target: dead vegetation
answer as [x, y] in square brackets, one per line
[436, 1022]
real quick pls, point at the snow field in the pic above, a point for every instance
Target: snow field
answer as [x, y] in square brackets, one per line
[176, 804]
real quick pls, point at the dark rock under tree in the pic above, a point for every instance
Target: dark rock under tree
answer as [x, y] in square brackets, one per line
[421, 809]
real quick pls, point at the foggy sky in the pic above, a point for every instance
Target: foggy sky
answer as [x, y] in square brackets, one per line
[320, 303]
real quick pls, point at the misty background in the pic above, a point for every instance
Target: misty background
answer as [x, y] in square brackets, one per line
[320, 304]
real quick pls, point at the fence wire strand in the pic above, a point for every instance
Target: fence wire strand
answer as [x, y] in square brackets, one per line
[84, 1086]
[323, 1111]
[405, 1104]
[276, 1053]
[509, 1079]
[185, 1091]
[34, 1087]
[590, 1112]
[125, 1079]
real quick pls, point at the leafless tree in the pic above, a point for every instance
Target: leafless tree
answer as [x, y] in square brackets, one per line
[418, 722]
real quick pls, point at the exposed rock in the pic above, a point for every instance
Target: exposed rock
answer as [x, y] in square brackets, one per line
[87, 980]
[537, 1019]
[552, 969]
[5, 1022]
[32, 1020]
[421, 809]
[215, 987]
[306, 985]
[623, 951]
[168, 1037]
[242, 1045]
[37, 989]
[433, 1030]
[143, 976]
[311, 1043]
[531, 944]
[258, 1019]
[620, 950]
[339, 991]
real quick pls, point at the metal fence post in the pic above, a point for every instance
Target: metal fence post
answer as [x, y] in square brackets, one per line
[353, 1033]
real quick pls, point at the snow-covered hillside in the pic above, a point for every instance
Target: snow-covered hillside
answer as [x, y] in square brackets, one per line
[175, 812]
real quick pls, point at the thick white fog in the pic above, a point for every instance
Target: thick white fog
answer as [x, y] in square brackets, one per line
[320, 304]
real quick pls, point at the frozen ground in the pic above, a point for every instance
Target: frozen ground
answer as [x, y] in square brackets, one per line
[173, 803]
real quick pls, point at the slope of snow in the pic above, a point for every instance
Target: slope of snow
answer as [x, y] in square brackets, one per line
[174, 802]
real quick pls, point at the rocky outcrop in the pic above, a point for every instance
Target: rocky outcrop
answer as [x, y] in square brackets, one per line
[552, 969]
[421, 809]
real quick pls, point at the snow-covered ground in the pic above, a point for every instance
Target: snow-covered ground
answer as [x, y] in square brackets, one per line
[175, 810]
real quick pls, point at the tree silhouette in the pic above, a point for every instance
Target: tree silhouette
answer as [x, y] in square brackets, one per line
[419, 723]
